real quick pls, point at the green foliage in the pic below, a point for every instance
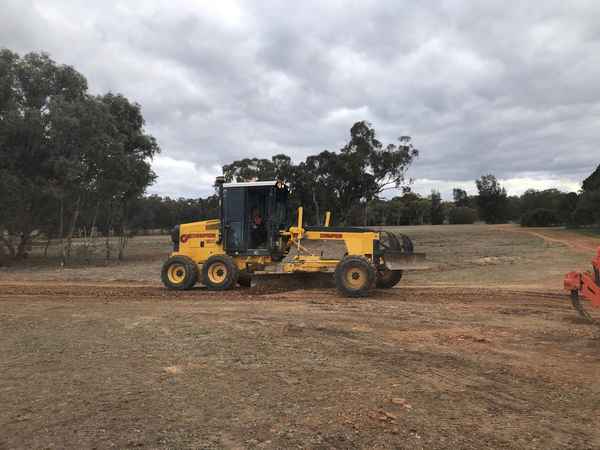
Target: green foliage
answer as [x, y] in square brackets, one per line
[408, 209]
[592, 183]
[587, 208]
[492, 200]
[65, 153]
[342, 182]
[437, 210]
[462, 215]
[540, 217]
[587, 211]
[461, 198]
[562, 204]
[154, 212]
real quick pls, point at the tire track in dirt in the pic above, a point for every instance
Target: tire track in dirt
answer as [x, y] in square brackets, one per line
[141, 292]
[569, 239]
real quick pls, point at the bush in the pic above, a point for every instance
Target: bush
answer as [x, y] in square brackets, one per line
[582, 217]
[540, 217]
[462, 215]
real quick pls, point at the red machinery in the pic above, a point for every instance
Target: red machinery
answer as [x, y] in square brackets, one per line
[586, 286]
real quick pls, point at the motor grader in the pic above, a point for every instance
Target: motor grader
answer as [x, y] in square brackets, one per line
[253, 237]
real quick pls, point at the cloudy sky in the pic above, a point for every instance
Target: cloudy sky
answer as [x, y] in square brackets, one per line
[510, 88]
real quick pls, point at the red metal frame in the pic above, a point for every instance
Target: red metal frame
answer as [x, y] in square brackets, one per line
[587, 284]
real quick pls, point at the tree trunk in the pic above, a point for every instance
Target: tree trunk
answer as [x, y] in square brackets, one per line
[2, 254]
[7, 243]
[123, 244]
[48, 240]
[22, 248]
[61, 231]
[107, 244]
[108, 230]
[124, 234]
[317, 210]
[92, 236]
[72, 227]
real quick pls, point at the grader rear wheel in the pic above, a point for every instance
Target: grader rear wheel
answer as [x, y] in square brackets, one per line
[354, 276]
[179, 272]
[219, 273]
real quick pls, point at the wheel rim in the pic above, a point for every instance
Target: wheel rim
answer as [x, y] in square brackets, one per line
[356, 277]
[217, 273]
[176, 273]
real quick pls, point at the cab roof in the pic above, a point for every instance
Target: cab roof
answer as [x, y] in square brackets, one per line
[250, 184]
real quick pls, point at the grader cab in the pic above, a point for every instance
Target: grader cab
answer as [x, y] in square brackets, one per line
[254, 237]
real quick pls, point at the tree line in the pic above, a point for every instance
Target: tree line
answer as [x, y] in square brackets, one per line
[491, 204]
[73, 164]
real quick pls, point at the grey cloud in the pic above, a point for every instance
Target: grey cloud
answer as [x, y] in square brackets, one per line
[482, 87]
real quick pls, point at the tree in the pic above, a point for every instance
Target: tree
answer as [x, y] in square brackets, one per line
[592, 183]
[65, 155]
[340, 181]
[562, 205]
[462, 215]
[31, 87]
[587, 211]
[461, 198]
[249, 169]
[492, 199]
[540, 217]
[437, 210]
[129, 169]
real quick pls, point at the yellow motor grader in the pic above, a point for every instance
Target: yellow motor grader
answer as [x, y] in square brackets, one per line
[253, 237]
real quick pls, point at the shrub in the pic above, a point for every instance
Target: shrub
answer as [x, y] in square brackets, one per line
[462, 215]
[540, 217]
[582, 217]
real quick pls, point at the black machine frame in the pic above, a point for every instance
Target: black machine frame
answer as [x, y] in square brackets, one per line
[236, 212]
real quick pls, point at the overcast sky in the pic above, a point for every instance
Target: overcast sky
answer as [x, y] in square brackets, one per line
[510, 88]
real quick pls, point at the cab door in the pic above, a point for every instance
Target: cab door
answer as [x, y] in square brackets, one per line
[234, 220]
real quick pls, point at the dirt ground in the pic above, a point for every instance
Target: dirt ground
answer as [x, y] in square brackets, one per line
[482, 351]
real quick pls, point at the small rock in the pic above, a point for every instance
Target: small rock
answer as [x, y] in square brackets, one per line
[401, 402]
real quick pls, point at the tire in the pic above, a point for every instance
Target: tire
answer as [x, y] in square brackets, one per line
[245, 279]
[220, 273]
[387, 278]
[407, 244]
[354, 276]
[395, 241]
[179, 273]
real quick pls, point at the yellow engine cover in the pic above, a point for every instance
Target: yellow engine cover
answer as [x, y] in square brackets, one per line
[198, 240]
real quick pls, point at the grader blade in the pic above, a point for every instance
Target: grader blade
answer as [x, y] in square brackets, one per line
[278, 282]
[398, 252]
[398, 260]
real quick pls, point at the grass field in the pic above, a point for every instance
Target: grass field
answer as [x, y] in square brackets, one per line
[463, 255]
[481, 351]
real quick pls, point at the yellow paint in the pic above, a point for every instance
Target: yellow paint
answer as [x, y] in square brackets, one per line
[199, 246]
[355, 278]
[217, 272]
[176, 273]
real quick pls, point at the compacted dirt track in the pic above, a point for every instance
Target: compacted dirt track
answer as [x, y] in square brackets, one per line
[104, 365]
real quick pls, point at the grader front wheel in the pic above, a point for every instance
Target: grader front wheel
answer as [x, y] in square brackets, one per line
[387, 278]
[354, 276]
